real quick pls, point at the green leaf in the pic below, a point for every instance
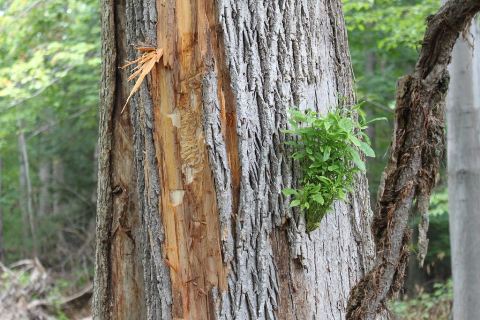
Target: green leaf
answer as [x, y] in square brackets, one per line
[366, 149]
[326, 153]
[325, 179]
[356, 159]
[325, 147]
[288, 192]
[355, 140]
[333, 167]
[376, 119]
[298, 156]
[346, 124]
[318, 198]
[295, 203]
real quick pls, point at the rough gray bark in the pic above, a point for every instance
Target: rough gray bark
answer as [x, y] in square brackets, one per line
[191, 222]
[463, 134]
[282, 55]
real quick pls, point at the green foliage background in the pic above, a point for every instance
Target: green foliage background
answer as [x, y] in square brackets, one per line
[384, 38]
[49, 75]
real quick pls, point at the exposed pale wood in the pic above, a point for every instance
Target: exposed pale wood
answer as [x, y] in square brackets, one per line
[189, 205]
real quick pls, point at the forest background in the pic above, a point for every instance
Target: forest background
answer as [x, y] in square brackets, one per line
[49, 89]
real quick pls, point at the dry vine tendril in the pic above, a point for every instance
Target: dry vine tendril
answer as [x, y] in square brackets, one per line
[414, 160]
[143, 65]
[328, 149]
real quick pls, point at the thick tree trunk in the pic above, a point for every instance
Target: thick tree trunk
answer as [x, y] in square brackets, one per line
[463, 134]
[191, 221]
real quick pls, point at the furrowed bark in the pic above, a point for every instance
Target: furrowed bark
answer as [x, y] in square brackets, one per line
[102, 281]
[279, 57]
[416, 152]
[191, 173]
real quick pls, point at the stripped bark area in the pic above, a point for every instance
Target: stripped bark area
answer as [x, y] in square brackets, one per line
[189, 206]
[416, 152]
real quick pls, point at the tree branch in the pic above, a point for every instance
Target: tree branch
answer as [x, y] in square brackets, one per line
[414, 162]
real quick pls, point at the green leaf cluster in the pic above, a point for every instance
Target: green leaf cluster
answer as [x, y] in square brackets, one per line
[329, 150]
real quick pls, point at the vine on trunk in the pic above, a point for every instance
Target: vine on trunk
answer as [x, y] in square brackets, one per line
[416, 151]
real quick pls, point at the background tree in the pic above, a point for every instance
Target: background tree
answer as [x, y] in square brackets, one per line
[463, 118]
[190, 213]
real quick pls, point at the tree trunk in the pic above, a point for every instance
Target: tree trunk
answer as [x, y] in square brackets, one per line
[2, 243]
[44, 197]
[26, 200]
[191, 222]
[463, 134]
[58, 184]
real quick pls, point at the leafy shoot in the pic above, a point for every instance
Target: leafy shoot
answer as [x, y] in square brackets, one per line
[329, 150]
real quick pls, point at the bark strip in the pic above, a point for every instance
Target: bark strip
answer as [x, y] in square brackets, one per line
[416, 152]
[102, 280]
[119, 280]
